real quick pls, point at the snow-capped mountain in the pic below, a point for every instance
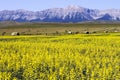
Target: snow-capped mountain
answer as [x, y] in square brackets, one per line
[68, 14]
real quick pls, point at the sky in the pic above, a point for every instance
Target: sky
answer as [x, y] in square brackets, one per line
[38, 5]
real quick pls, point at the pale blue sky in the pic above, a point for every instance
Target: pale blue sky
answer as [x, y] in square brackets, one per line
[37, 5]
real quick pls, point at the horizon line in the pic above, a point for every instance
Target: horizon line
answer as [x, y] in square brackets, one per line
[58, 8]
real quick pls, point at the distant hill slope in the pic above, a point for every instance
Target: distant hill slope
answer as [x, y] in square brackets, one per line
[68, 14]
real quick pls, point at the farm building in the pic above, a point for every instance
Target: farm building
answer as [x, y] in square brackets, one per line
[15, 33]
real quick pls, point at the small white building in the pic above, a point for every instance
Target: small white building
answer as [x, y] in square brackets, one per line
[115, 31]
[69, 32]
[15, 33]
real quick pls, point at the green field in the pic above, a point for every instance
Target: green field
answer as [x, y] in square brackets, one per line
[56, 28]
[66, 57]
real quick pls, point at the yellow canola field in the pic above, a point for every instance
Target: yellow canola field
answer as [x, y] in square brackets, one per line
[68, 57]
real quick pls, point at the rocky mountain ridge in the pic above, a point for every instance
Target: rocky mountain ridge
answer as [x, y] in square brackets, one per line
[67, 14]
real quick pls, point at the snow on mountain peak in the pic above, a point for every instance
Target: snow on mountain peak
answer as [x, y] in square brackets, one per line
[71, 13]
[73, 7]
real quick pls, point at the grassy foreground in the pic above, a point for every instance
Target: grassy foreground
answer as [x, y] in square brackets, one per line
[68, 57]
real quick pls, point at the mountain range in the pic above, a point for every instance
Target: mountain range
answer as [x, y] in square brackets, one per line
[70, 13]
